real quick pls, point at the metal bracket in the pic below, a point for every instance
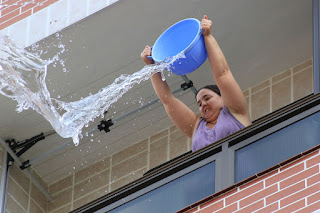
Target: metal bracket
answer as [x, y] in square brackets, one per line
[26, 172]
[12, 143]
[104, 125]
[25, 165]
[27, 144]
[22, 147]
[187, 85]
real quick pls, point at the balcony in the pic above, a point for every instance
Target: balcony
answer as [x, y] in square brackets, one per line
[239, 158]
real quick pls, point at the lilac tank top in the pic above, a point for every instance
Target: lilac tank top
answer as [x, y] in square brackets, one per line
[226, 125]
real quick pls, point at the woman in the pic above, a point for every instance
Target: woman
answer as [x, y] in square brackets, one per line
[223, 108]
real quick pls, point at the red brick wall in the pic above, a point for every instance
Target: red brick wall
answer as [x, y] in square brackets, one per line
[293, 187]
[12, 11]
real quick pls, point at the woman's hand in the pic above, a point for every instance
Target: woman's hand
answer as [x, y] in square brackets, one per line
[206, 25]
[147, 52]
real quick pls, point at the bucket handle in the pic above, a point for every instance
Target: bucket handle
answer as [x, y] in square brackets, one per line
[150, 57]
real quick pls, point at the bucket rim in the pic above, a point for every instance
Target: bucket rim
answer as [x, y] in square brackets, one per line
[187, 49]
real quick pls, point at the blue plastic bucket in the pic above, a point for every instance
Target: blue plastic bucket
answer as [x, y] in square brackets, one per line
[186, 36]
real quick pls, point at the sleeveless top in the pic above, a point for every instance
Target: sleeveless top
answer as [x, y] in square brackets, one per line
[226, 125]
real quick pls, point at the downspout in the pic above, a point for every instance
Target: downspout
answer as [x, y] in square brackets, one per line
[316, 47]
[3, 182]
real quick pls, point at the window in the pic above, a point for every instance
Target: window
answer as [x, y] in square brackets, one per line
[277, 147]
[176, 194]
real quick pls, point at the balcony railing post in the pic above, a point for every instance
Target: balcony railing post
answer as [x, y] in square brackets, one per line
[224, 168]
[316, 47]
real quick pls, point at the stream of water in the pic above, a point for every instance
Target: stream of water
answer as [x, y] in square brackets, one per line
[23, 79]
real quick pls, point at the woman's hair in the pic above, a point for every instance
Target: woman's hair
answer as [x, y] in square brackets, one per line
[213, 88]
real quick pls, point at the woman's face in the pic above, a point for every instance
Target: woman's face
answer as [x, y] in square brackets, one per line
[209, 104]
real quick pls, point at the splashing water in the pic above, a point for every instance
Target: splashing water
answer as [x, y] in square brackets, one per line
[22, 78]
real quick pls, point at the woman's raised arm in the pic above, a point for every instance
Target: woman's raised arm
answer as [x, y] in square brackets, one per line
[179, 113]
[231, 93]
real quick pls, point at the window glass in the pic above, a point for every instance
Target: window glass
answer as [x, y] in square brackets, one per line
[176, 194]
[277, 147]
